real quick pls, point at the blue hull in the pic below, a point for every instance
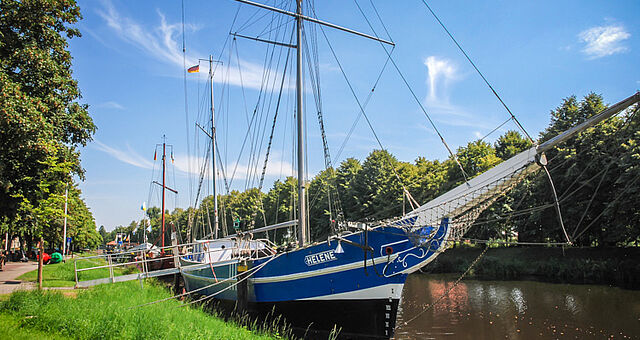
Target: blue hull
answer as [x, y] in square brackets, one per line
[318, 274]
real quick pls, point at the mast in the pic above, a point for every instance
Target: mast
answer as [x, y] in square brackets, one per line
[303, 228]
[213, 152]
[302, 207]
[164, 177]
[164, 147]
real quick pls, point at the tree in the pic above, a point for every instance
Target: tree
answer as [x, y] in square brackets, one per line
[41, 122]
[103, 234]
[510, 144]
[346, 175]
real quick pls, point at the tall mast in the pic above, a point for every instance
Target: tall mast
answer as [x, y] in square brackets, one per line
[164, 147]
[213, 152]
[302, 208]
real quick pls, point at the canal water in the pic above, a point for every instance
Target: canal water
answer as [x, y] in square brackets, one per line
[515, 310]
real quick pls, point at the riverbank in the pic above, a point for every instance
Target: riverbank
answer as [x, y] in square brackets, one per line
[110, 311]
[618, 267]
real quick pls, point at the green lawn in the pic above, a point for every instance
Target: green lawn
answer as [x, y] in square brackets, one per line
[63, 274]
[108, 312]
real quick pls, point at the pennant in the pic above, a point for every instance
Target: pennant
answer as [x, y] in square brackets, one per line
[143, 207]
[155, 155]
[194, 69]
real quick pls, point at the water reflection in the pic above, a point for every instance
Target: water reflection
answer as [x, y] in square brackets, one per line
[515, 310]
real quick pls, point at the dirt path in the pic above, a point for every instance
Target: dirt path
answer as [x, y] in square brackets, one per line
[9, 276]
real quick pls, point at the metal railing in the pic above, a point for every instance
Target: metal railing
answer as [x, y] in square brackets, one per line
[242, 250]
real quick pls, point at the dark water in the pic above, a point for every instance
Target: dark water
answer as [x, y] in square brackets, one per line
[516, 310]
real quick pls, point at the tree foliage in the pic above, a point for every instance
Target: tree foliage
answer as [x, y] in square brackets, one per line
[41, 122]
[596, 172]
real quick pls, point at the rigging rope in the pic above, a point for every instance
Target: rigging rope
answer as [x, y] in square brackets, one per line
[257, 268]
[364, 113]
[186, 102]
[446, 293]
[415, 97]
[480, 73]
[557, 203]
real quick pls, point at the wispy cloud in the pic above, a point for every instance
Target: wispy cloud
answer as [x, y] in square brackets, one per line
[110, 105]
[602, 41]
[128, 156]
[162, 43]
[440, 73]
[276, 167]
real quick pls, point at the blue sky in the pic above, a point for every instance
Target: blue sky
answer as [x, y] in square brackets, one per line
[129, 65]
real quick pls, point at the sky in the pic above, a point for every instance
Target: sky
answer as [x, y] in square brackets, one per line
[130, 67]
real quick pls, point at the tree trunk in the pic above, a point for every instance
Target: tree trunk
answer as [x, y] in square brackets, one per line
[40, 262]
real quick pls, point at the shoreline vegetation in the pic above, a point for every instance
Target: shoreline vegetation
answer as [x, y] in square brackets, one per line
[615, 266]
[110, 311]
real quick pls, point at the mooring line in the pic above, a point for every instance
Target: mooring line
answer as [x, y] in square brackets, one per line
[231, 286]
[204, 287]
[450, 289]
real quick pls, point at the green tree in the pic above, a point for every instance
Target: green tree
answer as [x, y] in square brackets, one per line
[346, 175]
[510, 144]
[41, 122]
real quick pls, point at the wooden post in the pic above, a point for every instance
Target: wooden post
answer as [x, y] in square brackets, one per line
[75, 269]
[110, 262]
[243, 291]
[40, 262]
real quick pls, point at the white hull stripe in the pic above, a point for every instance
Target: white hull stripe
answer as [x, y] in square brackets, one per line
[392, 290]
[323, 271]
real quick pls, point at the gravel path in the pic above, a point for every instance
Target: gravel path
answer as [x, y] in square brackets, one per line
[9, 276]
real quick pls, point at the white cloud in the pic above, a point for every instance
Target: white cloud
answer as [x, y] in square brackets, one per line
[128, 156]
[440, 73]
[602, 41]
[162, 43]
[111, 105]
[276, 167]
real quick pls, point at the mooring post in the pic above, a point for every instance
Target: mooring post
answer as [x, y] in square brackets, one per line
[110, 262]
[243, 290]
[75, 270]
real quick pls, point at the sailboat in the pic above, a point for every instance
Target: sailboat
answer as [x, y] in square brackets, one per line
[353, 280]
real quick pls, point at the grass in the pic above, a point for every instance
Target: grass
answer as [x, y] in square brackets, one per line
[11, 329]
[63, 274]
[109, 311]
[105, 312]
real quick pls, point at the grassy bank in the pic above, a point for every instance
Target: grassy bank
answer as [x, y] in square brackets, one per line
[608, 266]
[63, 274]
[108, 311]
[104, 312]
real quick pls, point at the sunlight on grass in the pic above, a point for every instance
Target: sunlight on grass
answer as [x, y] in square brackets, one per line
[104, 312]
[63, 274]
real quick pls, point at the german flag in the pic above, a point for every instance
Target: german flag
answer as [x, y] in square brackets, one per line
[194, 69]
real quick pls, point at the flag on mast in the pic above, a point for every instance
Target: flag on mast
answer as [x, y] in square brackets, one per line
[194, 69]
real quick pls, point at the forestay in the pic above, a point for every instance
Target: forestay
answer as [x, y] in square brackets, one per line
[465, 202]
